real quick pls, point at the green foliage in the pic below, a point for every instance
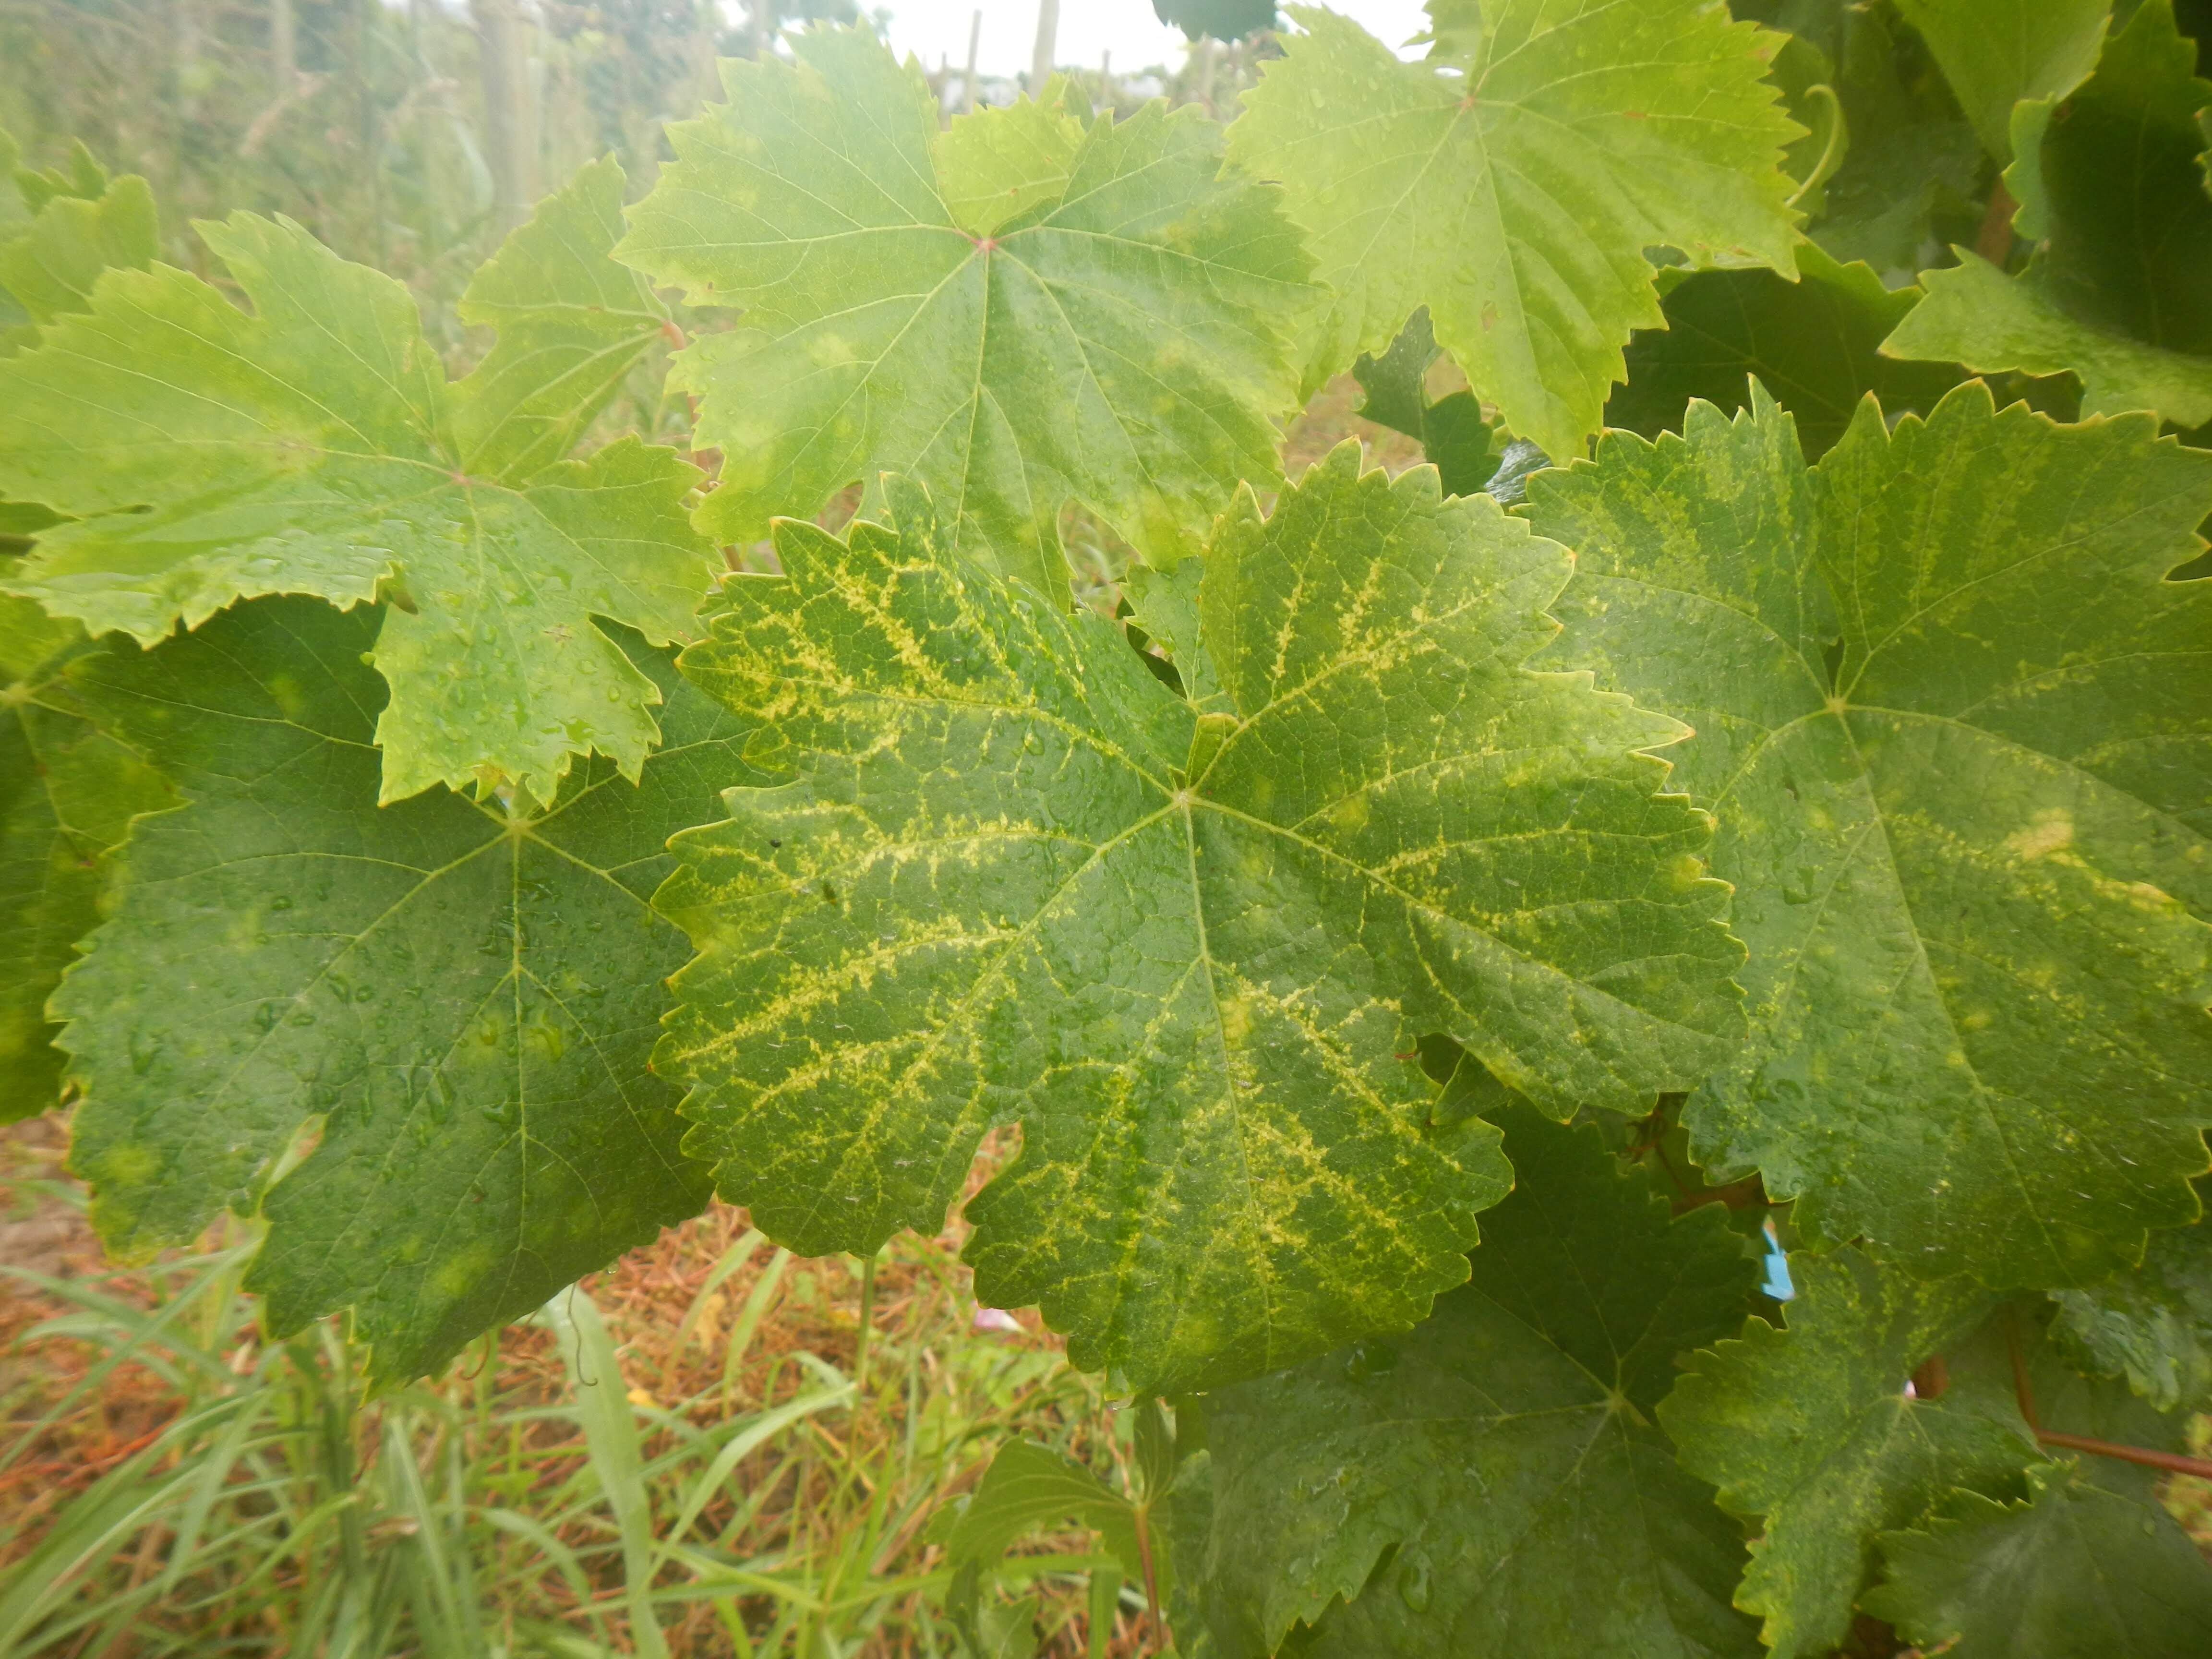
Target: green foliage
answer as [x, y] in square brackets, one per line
[71, 227]
[1223, 20]
[1813, 345]
[1454, 436]
[1801, 808]
[463, 993]
[1016, 877]
[1996, 53]
[1357, 1492]
[1907, 167]
[68, 791]
[1952, 717]
[614, 1463]
[315, 447]
[2076, 1570]
[2079, 1558]
[2152, 1326]
[1512, 183]
[1810, 1429]
[1109, 322]
[2111, 189]
[1030, 1488]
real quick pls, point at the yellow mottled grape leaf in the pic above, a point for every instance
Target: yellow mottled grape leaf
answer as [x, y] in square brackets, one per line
[1015, 878]
[1956, 726]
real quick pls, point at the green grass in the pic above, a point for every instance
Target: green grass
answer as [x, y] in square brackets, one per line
[691, 1454]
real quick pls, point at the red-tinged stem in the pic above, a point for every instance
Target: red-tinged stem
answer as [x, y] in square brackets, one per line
[2172, 1462]
[1152, 1578]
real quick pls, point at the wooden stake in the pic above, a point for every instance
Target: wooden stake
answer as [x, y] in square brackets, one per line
[1048, 35]
[975, 39]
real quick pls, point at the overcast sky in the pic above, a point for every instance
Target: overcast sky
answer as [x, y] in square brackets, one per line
[938, 29]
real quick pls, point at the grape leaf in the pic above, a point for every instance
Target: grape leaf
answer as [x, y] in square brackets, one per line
[83, 178]
[14, 210]
[1813, 343]
[68, 229]
[19, 522]
[1811, 1428]
[1454, 439]
[2075, 1571]
[2153, 1325]
[2085, 1561]
[1225, 19]
[2117, 292]
[1513, 182]
[1118, 336]
[49, 263]
[314, 446]
[999, 164]
[1016, 879]
[1994, 323]
[67, 793]
[571, 325]
[464, 997]
[1996, 52]
[1491, 1482]
[1970, 861]
[2130, 226]
[1164, 605]
[1912, 175]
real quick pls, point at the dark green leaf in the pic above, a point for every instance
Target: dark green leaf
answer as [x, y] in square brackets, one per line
[1911, 180]
[1812, 1430]
[1223, 20]
[1973, 862]
[1996, 52]
[2075, 1571]
[463, 995]
[2152, 1324]
[1813, 343]
[2083, 1562]
[1491, 1482]
[2117, 292]
[1455, 437]
[68, 791]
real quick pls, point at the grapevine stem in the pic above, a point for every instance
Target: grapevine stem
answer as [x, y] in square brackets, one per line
[2174, 1463]
[867, 1319]
[1151, 1577]
[1831, 153]
[1995, 239]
